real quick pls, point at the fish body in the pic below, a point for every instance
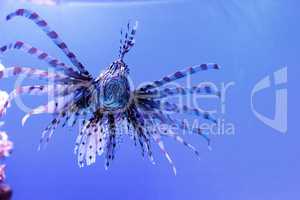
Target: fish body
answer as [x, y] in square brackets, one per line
[108, 106]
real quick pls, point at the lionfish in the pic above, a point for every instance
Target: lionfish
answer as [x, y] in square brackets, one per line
[107, 105]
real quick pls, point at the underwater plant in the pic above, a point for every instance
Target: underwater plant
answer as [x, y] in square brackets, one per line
[108, 105]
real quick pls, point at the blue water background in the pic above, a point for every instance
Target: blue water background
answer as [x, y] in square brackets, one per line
[249, 39]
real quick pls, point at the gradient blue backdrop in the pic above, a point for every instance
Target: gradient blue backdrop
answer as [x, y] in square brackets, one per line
[250, 39]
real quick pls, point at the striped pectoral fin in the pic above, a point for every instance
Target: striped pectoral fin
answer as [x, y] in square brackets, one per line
[110, 151]
[172, 107]
[180, 74]
[31, 72]
[138, 122]
[149, 151]
[196, 130]
[111, 141]
[52, 107]
[48, 132]
[202, 89]
[172, 134]
[182, 124]
[39, 90]
[145, 133]
[159, 142]
[55, 90]
[41, 55]
[31, 90]
[51, 34]
[3, 108]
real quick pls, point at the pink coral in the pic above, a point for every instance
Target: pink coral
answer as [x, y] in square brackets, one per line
[5, 150]
[5, 145]
[2, 173]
